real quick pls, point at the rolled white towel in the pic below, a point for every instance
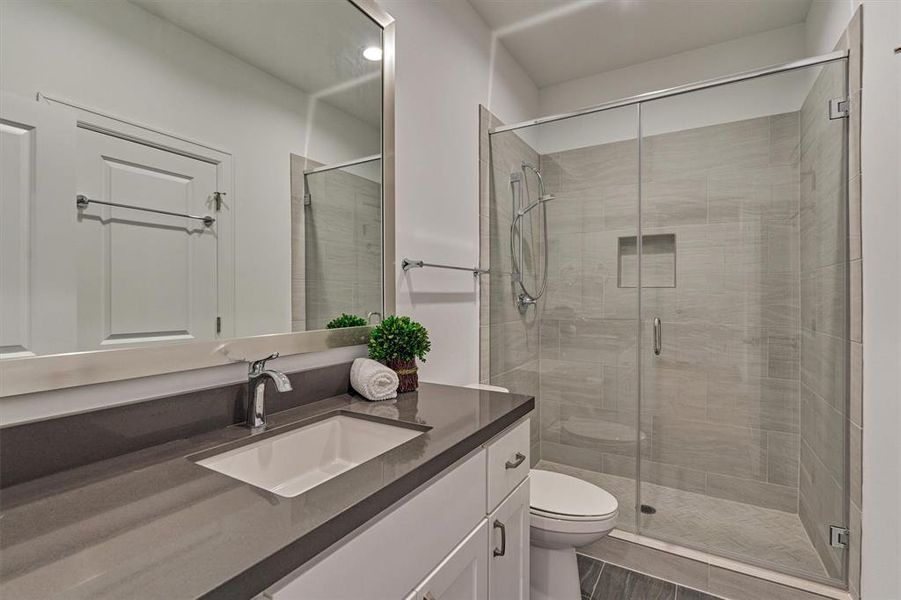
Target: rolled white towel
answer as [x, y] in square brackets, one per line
[373, 380]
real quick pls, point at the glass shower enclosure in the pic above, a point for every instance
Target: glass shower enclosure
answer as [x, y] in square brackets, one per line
[690, 350]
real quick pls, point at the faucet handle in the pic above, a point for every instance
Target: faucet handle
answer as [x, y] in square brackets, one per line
[256, 366]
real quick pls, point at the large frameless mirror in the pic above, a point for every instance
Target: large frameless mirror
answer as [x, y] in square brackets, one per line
[178, 173]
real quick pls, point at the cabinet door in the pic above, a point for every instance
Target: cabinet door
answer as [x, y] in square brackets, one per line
[463, 575]
[508, 555]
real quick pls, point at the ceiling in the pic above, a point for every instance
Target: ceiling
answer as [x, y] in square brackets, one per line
[560, 40]
[315, 46]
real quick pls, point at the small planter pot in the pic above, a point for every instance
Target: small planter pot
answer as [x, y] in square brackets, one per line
[407, 374]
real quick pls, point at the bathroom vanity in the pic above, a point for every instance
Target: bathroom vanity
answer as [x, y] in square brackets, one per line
[443, 511]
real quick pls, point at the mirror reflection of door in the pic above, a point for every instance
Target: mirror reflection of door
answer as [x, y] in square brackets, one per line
[37, 284]
[144, 276]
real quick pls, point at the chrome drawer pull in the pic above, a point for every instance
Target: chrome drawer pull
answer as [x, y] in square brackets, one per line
[503, 550]
[512, 464]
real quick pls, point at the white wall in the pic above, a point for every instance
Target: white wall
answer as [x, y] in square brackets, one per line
[120, 59]
[881, 222]
[767, 96]
[446, 66]
[881, 250]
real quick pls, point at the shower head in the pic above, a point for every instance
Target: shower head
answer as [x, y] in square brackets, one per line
[547, 198]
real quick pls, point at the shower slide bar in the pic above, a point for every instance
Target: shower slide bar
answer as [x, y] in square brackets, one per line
[82, 201]
[682, 89]
[412, 263]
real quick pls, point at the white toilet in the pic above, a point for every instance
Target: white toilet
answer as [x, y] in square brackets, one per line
[566, 513]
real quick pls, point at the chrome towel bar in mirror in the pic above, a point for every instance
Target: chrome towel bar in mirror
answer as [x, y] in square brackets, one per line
[411, 263]
[82, 201]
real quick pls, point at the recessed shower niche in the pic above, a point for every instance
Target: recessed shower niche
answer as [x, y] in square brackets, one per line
[658, 261]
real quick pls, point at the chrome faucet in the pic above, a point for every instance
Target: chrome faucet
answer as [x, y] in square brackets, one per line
[256, 391]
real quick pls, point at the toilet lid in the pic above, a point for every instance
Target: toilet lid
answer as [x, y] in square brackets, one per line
[566, 497]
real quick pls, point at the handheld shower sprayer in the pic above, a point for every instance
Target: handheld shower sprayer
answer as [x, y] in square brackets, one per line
[525, 298]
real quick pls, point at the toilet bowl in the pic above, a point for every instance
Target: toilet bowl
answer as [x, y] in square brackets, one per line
[565, 513]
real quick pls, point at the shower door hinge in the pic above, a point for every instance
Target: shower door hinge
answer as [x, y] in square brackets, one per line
[838, 536]
[218, 324]
[839, 108]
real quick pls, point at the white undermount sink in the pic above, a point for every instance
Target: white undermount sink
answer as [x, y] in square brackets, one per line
[290, 463]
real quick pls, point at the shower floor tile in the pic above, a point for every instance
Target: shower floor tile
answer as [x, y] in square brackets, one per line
[736, 530]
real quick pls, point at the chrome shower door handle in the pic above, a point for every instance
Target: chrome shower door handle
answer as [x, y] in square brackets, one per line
[658, 336]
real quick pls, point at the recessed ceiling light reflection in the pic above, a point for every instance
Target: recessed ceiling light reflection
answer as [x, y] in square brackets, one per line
[373, 53]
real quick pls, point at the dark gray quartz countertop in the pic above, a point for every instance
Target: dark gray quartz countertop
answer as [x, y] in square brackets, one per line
[153, 524]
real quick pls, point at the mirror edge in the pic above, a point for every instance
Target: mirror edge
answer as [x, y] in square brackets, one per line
[43, 373]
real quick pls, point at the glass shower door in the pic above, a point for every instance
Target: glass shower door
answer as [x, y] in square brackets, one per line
[744, 315]
[575, 348]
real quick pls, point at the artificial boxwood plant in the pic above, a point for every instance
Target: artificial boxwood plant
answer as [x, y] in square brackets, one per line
[398, 342]
[346, 320]
[398, 339]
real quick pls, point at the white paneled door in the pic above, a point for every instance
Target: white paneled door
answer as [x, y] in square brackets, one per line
[37, 196]
[143, 276]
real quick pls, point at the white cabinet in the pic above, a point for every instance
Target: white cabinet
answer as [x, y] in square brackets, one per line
[463, 575]
[508, 560]
[449, 541]
[392, 554]
[508, 463]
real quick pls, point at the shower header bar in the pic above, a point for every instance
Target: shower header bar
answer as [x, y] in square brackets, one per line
[682, 89]
[349, 163]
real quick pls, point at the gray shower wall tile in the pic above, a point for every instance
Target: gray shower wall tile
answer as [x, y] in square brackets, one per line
[759, 493]
[572, 382]
[820, 505]
[824, 293]
[582, 458]
[595, 167]
[782, 457]
[736, 144]
[671, 476]
[856, 303]
[855, 452]
[756, 402]
[549, 335]
[675, 201]
[856, 375]
[715, 448]
[508, 150]
[823, 366]
[673, 393]
[785, 138]
[822, 429]
[512, 345]
[600, 341]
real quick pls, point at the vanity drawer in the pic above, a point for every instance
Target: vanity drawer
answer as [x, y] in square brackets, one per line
[508, 463]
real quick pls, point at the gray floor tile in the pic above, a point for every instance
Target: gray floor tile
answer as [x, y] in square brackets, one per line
[589, 572]
[683, 593]
[616, 583]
